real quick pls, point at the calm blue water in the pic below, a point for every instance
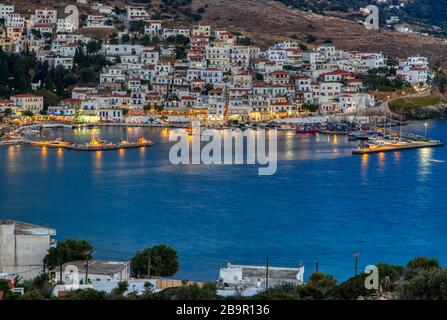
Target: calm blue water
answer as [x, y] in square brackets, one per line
[322, 202]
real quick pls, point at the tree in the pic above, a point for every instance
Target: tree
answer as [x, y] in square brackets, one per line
[4, 71]
[120, 289]
[189, 292]
[180, 52]
[351, 289]
[93, 46]
[7, 112]
[423, 263]
[87, 75]
[137, 26]
[322, 282]
[179, 40]
[113, 38]
[426, 285]
[125, 38]
[440, 80]
[389, 274]
[284, 291]
[162, 259]
[311, 38]
[4, 289]
[86, 294]
[244, 41]
[49, 97]
[28, 113]
[36, 34]
[66, 251]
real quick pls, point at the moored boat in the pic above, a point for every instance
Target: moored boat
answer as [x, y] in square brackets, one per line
[103, 145]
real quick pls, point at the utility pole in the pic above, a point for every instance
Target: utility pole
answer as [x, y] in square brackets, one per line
[266, 273]
[316, 265]
[356, 256]
[149, 268]
[86, 272]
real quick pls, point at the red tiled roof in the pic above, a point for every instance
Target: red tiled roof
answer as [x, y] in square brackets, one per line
[24, 95]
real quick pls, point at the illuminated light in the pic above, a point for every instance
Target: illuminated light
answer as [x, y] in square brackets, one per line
[121, 152]
[44, 151]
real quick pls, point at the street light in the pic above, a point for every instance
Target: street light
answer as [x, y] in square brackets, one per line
[426, 126]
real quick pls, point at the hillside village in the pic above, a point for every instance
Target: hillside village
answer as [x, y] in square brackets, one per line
[213, 77]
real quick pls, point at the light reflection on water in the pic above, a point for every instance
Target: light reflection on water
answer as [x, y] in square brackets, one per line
[425, 164]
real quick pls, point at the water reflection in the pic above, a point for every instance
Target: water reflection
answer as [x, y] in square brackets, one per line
[335, 139]
[98, 160]
[60, 158]
[13, 154]
[396, 157]
[424, 168]
[382, 160]
[364, 164]
[43, 158]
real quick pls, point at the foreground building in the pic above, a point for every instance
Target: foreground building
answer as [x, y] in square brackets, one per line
[245, 277]
[23, 247]
[97, 271]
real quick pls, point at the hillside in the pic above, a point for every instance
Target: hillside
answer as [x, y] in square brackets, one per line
[267, 21]
[425, 15]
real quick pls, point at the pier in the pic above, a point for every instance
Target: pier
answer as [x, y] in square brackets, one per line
[94, 145]
[398, 146]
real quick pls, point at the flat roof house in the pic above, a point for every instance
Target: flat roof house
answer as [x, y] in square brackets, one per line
[245, 276]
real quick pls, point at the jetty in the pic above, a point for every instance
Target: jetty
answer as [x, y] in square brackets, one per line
[99, 145]
[397, 146]
[10, 142]
[94, 145]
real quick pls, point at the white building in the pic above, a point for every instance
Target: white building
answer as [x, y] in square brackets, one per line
[15, 20]
[244, 276]
[414, 75]
[137, 13]
[97, 21]
[61, 111]
[98, 271]
[6, 10]
[28, 101]
[23, 247]
[111, 115]
[44, 16]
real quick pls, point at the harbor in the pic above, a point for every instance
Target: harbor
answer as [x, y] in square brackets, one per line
[371, 138]
[328, 190]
